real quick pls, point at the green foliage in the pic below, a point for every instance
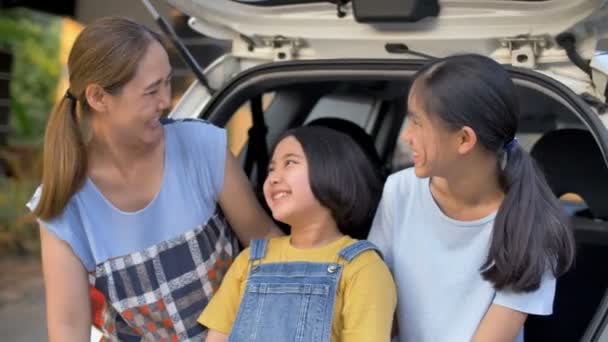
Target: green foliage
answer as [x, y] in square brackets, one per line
[18, 228]
[34, 40]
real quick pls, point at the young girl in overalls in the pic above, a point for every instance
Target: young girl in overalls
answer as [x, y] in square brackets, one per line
[474, 236]
[317, 284]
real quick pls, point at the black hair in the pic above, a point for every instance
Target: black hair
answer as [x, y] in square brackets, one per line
[531, 234]
[342, 178]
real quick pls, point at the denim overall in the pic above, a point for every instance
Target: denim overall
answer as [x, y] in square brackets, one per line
[290, 301]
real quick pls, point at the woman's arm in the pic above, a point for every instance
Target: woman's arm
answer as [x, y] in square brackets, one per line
[68, 305]
[241, 207]
[216, 336]
[500, 324]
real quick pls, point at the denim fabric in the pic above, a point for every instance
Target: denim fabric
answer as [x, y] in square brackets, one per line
[290, 301]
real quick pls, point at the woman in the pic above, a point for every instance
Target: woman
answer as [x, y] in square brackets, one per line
[129, 204]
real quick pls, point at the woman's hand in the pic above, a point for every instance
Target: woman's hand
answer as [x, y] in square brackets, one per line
[216, 336]
[241, 207]
[68, 304]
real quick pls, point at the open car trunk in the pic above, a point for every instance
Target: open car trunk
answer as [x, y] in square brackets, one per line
[371, 95]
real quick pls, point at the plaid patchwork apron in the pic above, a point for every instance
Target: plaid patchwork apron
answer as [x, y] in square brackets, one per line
[158, 293]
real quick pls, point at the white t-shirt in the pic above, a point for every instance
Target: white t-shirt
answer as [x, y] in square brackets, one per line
[436, 263]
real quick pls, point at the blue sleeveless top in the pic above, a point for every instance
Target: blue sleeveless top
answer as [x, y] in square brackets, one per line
[157, 267]
[195, 154]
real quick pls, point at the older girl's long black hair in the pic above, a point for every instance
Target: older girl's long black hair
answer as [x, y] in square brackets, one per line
[531, 235]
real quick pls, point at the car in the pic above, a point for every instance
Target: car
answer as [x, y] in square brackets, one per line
[349, 64]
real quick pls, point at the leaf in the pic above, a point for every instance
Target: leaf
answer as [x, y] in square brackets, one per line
[33, 37]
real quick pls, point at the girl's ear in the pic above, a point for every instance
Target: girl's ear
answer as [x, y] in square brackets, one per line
[467, 140]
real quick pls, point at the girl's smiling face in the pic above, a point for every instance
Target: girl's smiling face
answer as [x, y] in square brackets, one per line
[287, 188]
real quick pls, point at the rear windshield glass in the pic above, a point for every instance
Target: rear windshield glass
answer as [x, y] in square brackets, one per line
[277, 2]
[294, 2]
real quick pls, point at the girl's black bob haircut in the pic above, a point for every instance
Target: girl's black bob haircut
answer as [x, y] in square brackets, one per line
[342, 177]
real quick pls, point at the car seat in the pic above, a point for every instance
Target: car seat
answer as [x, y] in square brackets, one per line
[358, 134]
[573, 163]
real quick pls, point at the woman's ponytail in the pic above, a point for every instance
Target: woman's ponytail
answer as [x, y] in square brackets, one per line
[64, 161]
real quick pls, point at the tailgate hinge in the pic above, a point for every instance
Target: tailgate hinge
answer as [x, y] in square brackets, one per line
[524, 50]
[284, 48]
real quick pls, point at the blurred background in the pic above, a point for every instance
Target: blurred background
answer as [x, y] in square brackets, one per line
[35, 39]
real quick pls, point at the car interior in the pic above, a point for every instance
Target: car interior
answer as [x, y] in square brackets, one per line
[572, 163]
[373, 112]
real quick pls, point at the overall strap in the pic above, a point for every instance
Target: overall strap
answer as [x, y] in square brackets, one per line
[351, 251]
[257, 249]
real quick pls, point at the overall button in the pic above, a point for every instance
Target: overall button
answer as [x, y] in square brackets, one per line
[255, 268]
[332, 268]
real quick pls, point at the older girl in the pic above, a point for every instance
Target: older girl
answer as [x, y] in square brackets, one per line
[474, 236]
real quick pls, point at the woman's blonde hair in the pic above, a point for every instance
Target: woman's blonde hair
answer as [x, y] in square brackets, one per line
[107, 53]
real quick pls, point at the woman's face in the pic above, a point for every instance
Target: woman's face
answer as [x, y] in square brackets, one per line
[287, 187]
[134, 112]
[433, 146]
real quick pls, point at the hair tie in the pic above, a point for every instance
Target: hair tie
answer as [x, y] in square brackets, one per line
[69, 95]
[510, 145]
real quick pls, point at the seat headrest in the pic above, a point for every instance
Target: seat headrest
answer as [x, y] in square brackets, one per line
[356, 132]
[573, 163]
